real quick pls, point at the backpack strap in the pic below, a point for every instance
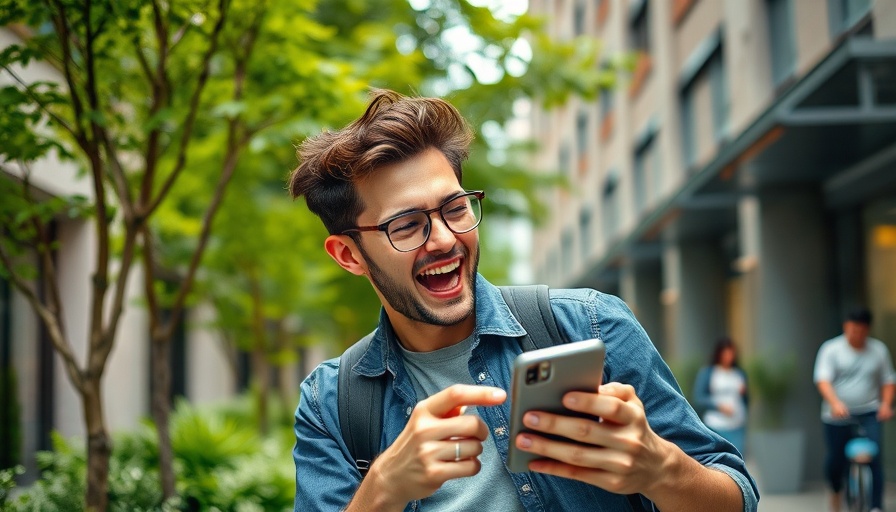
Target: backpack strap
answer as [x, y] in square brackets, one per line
[360, 421]
[531, 306]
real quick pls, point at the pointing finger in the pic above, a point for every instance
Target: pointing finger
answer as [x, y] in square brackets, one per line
[447, 402]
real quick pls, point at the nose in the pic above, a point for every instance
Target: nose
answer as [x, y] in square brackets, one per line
[441, 239]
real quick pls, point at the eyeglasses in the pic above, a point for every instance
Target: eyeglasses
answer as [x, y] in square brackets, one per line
[411, 230]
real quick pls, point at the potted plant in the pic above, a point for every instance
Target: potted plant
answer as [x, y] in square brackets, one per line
[777, 450]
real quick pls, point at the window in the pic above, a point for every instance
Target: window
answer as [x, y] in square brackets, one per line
[846, 13]
[609, 208]
[582, 139]
[721, 104]
[10, 421]
[567, 250]
[579, 18]
[688, 127]
[564, 161]
[585, 233]
[639, 182]
[552, 269]
[177, 358]
[606, 104]
[639, 27]
[781, 43]
[704, 97]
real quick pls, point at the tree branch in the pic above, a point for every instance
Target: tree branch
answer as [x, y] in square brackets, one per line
[103, 344]
[50, 321]
[161, 96]
[119, 180]
[51, 315]
[149, 279]
[229, 165]
[193, 111]
[43, 106]
[63, 30]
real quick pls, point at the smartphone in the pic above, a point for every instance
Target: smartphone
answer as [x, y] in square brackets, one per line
[541, 378]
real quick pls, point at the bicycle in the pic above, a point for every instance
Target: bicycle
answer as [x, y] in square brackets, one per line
[860, 450]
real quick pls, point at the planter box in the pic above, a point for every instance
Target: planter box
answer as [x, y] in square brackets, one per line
[779, 457]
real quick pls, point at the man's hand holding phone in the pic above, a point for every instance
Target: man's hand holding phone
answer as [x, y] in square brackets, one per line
[619, 452]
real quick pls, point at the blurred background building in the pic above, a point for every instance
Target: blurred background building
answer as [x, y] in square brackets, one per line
[740, 180]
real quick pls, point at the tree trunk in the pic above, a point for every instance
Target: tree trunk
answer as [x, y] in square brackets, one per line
[261, 376]
[99, 448]
[260, 372]
[285, 391]
[161, 409]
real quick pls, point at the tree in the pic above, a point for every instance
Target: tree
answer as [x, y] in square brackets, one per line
[160, 101]
[139, 83]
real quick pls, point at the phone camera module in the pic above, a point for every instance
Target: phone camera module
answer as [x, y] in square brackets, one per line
[544, 371]
[531, 375]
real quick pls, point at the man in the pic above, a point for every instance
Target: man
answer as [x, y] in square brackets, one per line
[388, 189]
[854, 374]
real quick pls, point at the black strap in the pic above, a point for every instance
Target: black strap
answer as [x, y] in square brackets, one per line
[531, 306]
[361, 423]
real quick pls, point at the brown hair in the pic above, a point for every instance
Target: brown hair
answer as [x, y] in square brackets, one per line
[723, 343]
[393, 129]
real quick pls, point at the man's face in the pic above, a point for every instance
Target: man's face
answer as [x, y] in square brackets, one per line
[856, 333]
[434, 283]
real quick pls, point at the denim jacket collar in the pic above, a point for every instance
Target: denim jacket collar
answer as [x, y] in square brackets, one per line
[493, 317]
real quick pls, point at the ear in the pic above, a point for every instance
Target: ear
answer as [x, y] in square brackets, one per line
[345, 252]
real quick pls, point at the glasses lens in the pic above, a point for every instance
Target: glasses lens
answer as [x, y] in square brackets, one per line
[408, 231]
[462, 214]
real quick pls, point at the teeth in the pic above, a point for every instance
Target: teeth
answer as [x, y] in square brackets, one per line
[442, 270]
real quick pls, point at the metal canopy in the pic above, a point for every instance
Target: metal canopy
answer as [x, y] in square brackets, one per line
[835, 127]
[840, 114]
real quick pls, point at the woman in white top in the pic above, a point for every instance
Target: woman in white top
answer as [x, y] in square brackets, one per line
[721, 393]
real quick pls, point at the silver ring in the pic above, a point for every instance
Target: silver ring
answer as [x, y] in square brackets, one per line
[456, 451]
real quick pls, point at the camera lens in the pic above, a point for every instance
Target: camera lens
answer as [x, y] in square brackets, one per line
[544, 371]
[531, 374]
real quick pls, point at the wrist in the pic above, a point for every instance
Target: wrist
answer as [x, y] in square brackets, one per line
[671, 470]
[375, 493]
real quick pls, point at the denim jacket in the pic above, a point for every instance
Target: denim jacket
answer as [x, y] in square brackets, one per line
[326, 477]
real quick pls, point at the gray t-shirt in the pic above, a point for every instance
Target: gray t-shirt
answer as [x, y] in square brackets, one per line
[491, 488]
[856, 375]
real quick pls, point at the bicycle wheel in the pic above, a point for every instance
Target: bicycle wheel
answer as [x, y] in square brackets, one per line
[858, 488]
[855, 489]
[865, 486]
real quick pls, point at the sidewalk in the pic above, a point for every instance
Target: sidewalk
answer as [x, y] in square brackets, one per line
[813, 498]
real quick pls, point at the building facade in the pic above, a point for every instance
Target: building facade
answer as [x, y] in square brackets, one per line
[739, 180]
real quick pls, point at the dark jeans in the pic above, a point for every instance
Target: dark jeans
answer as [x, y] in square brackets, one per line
[836, 464]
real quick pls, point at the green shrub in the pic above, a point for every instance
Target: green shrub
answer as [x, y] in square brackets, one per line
[221, 464]
[7, 484]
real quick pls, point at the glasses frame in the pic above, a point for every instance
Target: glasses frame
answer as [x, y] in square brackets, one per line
[384, 226]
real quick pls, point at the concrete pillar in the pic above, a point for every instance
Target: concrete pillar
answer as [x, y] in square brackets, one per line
[640, 288]
[795, 300]
[695, 308]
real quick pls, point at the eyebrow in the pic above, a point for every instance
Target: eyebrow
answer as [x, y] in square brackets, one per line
[443, 200]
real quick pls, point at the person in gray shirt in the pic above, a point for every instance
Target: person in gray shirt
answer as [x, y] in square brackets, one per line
[854, 374]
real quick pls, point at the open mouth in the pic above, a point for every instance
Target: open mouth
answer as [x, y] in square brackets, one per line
[441, 279]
